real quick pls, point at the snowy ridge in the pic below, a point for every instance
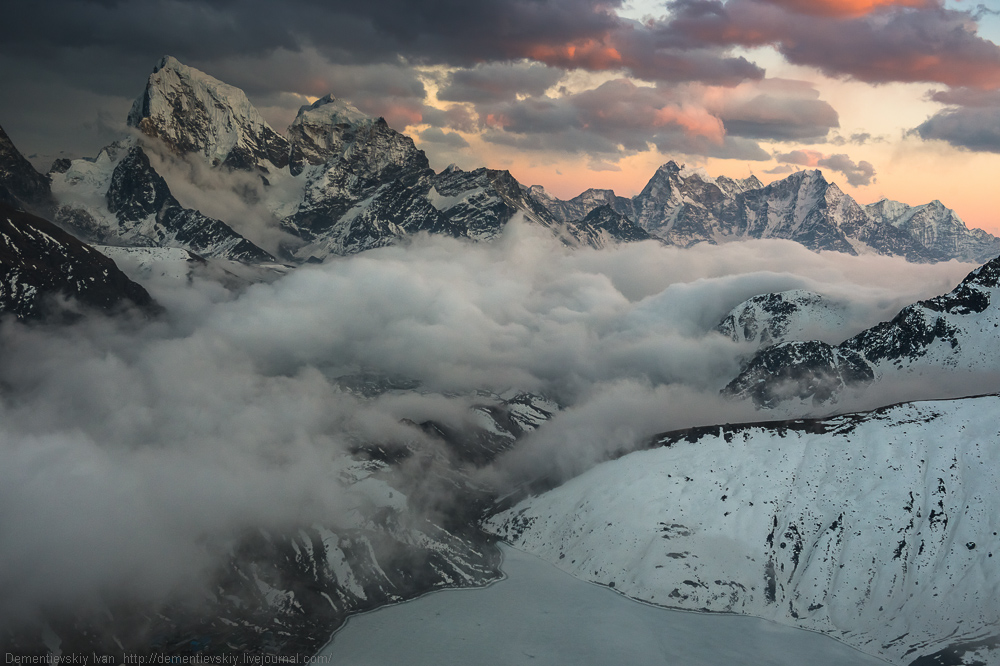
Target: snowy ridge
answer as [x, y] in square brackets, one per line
[957, 332]
[938, 228]
[771, 318]
[118, 198]
[875, 528]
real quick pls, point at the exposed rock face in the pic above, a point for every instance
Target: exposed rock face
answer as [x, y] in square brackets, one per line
[581, 205]
[47, 272]
[772, 318]
[20, 185]
[192, 112]
[938, 228]
[958, 330]
[118, 198]
[605, 226]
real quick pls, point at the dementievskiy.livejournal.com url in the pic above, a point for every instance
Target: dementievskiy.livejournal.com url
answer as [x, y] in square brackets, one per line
[94, 659]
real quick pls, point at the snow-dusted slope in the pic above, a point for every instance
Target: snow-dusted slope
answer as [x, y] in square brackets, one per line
[41, 266]
[958, 332]
[939, 228]
[193, 112]
[879, 529]
[788, 315]
[119, 198]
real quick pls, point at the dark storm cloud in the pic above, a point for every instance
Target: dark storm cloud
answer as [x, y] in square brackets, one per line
[446, 139]
[497, 82]
[925, 44]
[456, 117]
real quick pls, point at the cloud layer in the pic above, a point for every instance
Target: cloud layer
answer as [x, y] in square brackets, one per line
[133, 458]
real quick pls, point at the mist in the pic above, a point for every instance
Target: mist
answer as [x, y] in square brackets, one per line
[135, 454]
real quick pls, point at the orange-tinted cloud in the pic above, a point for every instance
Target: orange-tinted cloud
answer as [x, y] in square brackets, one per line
[849, 7]
[924, 43]
[590, 54]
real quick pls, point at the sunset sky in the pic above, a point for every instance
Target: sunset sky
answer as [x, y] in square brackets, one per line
[890, 98]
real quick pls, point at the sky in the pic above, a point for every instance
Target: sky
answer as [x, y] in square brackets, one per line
[890, 98]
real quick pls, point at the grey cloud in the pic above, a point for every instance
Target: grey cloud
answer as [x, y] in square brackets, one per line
[497, 82]
[134, 458]
[456, 117]
[780, 119]
[898, 44]
[974, 128]
[972, 120]
[857, 139]
[616, 117]
[447, 139]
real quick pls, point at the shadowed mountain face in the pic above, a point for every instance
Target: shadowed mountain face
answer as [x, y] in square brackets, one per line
[20, 185]
[47, 272]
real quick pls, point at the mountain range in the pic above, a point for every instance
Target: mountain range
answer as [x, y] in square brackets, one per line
[783, 519]
[340, 182]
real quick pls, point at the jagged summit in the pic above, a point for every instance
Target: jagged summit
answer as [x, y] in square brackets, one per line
[329, 127]
[192, 112]
[332, 111]
[939, 228]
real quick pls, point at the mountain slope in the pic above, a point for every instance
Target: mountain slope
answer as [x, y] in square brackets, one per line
[772, 318]
[43, 266]
[20, 185]
[938, 228]
[876, 528]
[119, 198]
[957, 332]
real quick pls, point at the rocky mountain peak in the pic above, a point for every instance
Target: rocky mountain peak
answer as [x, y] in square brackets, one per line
[20, 185]
[192, 112]
[323, 129]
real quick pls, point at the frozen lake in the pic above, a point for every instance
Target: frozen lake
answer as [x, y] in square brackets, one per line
[541, 615]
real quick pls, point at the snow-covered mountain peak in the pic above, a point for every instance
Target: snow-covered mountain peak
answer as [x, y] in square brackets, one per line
[329, 110]
[796, 314]
[695, 172]
[323, 129]
[192, 112]
[937, 227]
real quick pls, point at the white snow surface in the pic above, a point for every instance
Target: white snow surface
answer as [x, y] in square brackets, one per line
[881, 531]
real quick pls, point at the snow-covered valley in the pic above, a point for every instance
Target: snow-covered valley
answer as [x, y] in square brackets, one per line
[878, 528]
